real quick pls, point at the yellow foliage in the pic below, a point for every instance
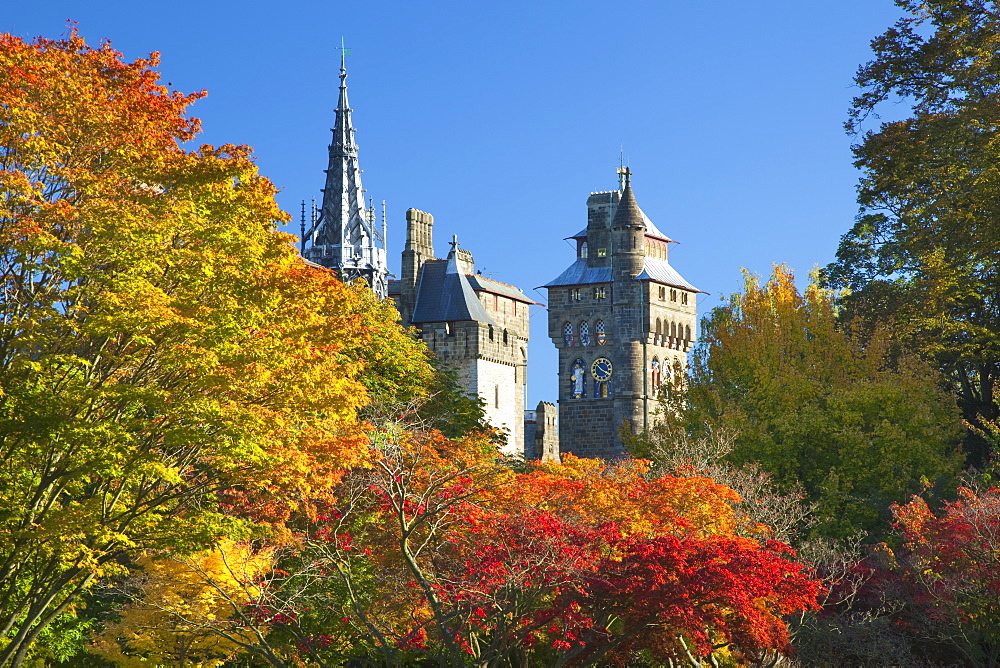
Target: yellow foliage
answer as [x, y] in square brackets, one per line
[188, 610]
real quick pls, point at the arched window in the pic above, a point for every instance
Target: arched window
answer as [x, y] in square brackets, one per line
[568, 335]
[599, 331]
[687, 332]
[584, 333]
[578, 379]
[673, 330]
[491, 332]
[583, 249]
[505, 337]
[659, 333]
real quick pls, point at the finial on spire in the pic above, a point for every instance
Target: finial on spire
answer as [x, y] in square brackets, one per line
[625, 174]
[454, 243]
[344, 52]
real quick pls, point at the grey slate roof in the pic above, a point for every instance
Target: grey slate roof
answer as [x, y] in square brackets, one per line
[445, 295]
[479, 282]
[654, 269]
[651, 230]
[579, 273]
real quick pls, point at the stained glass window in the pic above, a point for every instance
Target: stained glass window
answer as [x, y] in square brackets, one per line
[568, 335]
[584, 334]
[599, 331]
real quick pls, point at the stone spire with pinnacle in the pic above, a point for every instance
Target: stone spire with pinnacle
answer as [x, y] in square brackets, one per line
[344, 236]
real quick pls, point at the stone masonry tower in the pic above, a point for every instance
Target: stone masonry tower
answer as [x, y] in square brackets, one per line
[475, 325]
[344, 235]
[623, 320]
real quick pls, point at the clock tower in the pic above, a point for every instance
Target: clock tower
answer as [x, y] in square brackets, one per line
[623, 320]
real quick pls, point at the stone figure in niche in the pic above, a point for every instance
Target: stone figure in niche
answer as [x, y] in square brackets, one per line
[578, 380]
[655, 374]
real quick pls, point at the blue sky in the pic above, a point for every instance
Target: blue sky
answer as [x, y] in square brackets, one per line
[500, 118]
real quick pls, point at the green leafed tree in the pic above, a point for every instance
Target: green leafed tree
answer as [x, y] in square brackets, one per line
[159, 338]
[925, 251]
[856, 425]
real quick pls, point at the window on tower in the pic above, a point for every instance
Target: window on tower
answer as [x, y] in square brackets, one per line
[600, 293]
[599, 332]
[568, 335]
[584, 334]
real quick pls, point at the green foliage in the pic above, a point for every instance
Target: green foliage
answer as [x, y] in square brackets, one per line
[925, 251]
[159, 339]
[856, 425]
[449, 409]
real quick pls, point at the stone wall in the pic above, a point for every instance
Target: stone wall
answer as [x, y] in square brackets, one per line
[504, 403]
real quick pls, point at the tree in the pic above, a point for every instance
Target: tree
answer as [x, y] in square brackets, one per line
[441, 552]
[159, 338]
[188, 610]
[953, 559]
[924, 251]
[855, 424]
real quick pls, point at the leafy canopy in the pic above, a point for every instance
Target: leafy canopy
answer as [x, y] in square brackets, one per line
[856, 425]
[924, 251]
[159, 338]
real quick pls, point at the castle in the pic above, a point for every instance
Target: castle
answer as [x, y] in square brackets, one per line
[622, 318]
[473, 324]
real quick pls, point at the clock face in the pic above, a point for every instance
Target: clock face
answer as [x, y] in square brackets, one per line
[601, 369]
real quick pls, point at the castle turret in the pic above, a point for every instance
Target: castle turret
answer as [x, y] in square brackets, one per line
[630, 304]
[345, 236]
[628, 235]
[418, 249]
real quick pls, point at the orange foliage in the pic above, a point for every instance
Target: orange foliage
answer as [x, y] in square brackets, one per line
[591, 491]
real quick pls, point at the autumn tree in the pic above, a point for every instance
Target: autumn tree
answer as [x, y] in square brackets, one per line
[440, 551]
[159, 338]
[925, 251]
[188, 609]
[952, 560]
[811, 403]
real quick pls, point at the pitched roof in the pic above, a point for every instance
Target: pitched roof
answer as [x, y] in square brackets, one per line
[445, 295]
[579, 273]
[651, 230]
[654, 269]
[480, 282]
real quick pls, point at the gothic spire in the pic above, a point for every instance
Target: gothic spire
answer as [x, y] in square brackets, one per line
[345, 235]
